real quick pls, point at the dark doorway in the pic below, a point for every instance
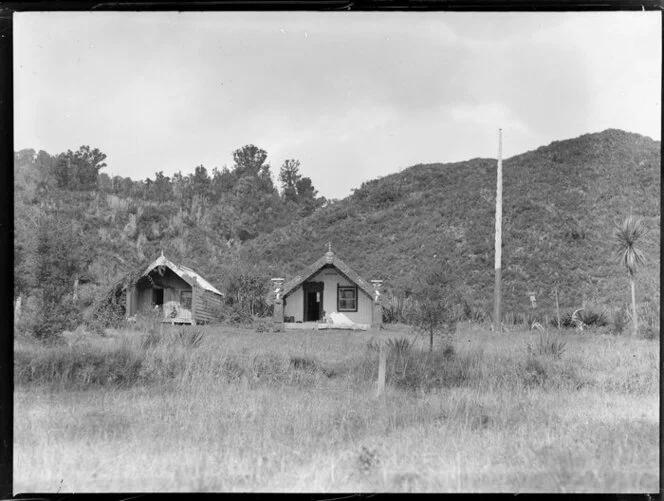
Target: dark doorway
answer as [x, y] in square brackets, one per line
[158, 297]
[313, 307]
[313, 301]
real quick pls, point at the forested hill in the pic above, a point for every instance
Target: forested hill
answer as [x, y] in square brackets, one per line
[559, 208]
[74, 222]
[234, 227]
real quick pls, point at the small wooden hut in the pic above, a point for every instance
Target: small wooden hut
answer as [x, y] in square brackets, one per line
[182, 295]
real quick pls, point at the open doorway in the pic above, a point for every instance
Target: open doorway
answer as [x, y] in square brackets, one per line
[313, 307]
[313, 301]
[158, 298]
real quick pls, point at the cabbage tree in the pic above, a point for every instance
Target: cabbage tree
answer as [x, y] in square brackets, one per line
[626, 237]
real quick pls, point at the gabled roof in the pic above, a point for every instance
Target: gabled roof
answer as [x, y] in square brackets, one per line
[328, 259]
[185, 273]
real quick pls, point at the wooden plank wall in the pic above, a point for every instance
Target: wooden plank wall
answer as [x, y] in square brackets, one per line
[206, 306]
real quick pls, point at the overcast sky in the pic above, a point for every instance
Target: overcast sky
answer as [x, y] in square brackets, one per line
[353, 96]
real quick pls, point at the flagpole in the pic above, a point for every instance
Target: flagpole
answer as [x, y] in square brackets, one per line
[497, 325]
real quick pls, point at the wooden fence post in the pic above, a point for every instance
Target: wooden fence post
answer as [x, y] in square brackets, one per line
[382, 355]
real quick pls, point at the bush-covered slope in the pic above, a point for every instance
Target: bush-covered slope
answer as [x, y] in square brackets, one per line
[560, 204]
[107, 226]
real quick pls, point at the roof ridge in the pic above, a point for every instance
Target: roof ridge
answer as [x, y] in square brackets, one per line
[180, 270]
[331, 259]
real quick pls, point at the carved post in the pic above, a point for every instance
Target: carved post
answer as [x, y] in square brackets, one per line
[376, 322]
[377, 313]
[278, 315]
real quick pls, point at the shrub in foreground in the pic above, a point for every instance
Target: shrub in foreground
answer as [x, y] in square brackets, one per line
[648, 320]
[478, 315]
[535, 373]
[547, 345]
[619, 321]
[567, 321]
[46, 322]
[649, 332]
[585, 317]
[408, 368]
[428, 371]
[78, 366]
[551, 373]
[187, 336]
[168, 358]
[592, 318]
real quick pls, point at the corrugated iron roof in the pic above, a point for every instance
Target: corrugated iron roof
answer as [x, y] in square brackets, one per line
[185, 273]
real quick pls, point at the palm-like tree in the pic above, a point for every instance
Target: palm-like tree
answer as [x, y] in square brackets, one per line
[626, 237]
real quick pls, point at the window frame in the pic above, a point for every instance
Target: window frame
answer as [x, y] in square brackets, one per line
[341, 288]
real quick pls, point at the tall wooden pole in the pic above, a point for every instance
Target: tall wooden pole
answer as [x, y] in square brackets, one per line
[499, 228]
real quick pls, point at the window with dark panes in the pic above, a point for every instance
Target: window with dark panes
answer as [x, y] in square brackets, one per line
[185, 299]
[347, 299]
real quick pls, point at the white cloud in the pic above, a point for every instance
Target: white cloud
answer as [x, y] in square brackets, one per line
[492, 115]
[352, 95]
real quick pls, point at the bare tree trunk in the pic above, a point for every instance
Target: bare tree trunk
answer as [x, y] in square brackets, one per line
[634, 315]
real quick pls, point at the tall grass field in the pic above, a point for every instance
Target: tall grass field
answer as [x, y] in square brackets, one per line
[237, 410]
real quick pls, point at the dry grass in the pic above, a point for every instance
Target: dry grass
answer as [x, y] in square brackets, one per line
[509, 422]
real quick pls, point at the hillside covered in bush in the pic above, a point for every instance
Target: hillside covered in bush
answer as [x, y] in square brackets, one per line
[238, 229]
[560, 205]
[78, 228]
